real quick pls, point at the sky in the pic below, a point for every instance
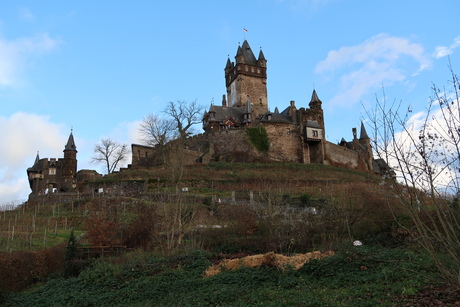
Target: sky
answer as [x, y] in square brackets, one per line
[97, 68]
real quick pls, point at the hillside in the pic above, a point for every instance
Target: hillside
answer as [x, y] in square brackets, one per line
[225, 210]
[46, 220]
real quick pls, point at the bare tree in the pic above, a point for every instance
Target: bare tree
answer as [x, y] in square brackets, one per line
[157, 131]
[424, 149]
[185, 115]
[110, 153]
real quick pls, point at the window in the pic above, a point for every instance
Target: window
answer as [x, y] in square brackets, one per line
[52, 171]
[288, 131]
[315, 133]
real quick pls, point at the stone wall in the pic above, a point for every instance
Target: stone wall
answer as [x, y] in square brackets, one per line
[341, 156]
[144, 156]
[285, 143]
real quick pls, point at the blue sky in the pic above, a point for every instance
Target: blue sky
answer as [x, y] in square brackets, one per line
[100, 66]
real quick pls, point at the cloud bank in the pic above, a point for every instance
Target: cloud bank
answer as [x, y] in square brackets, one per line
[382, 59]
[14, 55]
[23, 135]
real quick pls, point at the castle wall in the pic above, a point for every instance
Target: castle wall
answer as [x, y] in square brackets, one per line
[342, 156]
[226, 145]
[285, 143]
[144, 156]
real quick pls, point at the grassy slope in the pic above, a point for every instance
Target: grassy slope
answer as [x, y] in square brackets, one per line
[363, 276]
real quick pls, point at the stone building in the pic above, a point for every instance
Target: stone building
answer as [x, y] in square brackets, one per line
[295, 134]
[55, 175]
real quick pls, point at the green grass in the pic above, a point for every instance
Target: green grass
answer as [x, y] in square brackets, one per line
[364, 276]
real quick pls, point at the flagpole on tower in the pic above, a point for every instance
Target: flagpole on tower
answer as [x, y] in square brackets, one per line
[245, 31]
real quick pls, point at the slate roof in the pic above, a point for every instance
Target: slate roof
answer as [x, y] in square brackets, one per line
[276, 117]
[314, 97]
[313, 124]
[222, 113]
[246, 51]
[70, 143]
[363, 134]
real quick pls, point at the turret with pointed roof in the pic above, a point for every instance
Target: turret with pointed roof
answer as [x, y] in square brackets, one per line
[69, 166]
[315, 102]
[70, 143]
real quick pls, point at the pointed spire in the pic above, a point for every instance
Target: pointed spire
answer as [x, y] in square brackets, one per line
[70, 143]
[239, 51]
[315, 102]
[314, 97]
[246, 51]
[229, 63]
[37, 158]
[363, 134]
[276, 110]
[261, 56]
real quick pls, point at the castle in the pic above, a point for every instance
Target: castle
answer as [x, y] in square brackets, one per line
[294, 134]
[55, 175]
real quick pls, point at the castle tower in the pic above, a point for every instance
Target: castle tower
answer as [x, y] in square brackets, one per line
[365, 143]
[69, 163]
[247, 80]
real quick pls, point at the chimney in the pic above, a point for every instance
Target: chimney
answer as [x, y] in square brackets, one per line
[224, 101]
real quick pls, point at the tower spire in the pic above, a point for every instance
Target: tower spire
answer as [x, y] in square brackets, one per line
[363, 134]
[70, 146]
[37, 158]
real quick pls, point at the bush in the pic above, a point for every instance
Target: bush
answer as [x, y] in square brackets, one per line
[259, 138]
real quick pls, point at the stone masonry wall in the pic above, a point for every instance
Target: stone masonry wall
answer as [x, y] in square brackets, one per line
[285, 143]
[336, 154]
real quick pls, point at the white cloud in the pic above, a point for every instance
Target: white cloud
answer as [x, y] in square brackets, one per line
[382, 59]
[23, 135]
[442, 51]
[440, 150]
[15, 54]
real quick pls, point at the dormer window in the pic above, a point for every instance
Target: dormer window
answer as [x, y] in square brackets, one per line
[269, 117]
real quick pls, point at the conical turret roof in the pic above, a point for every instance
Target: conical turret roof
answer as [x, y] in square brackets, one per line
[261, 56]
[363, 134]
[70, 146]
[37, 158]
[246, 51]
[314, 97]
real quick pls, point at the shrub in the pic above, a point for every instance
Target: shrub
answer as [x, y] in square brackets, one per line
[259, 138]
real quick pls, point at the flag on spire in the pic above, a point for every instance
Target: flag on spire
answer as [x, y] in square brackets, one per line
[244, 29]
